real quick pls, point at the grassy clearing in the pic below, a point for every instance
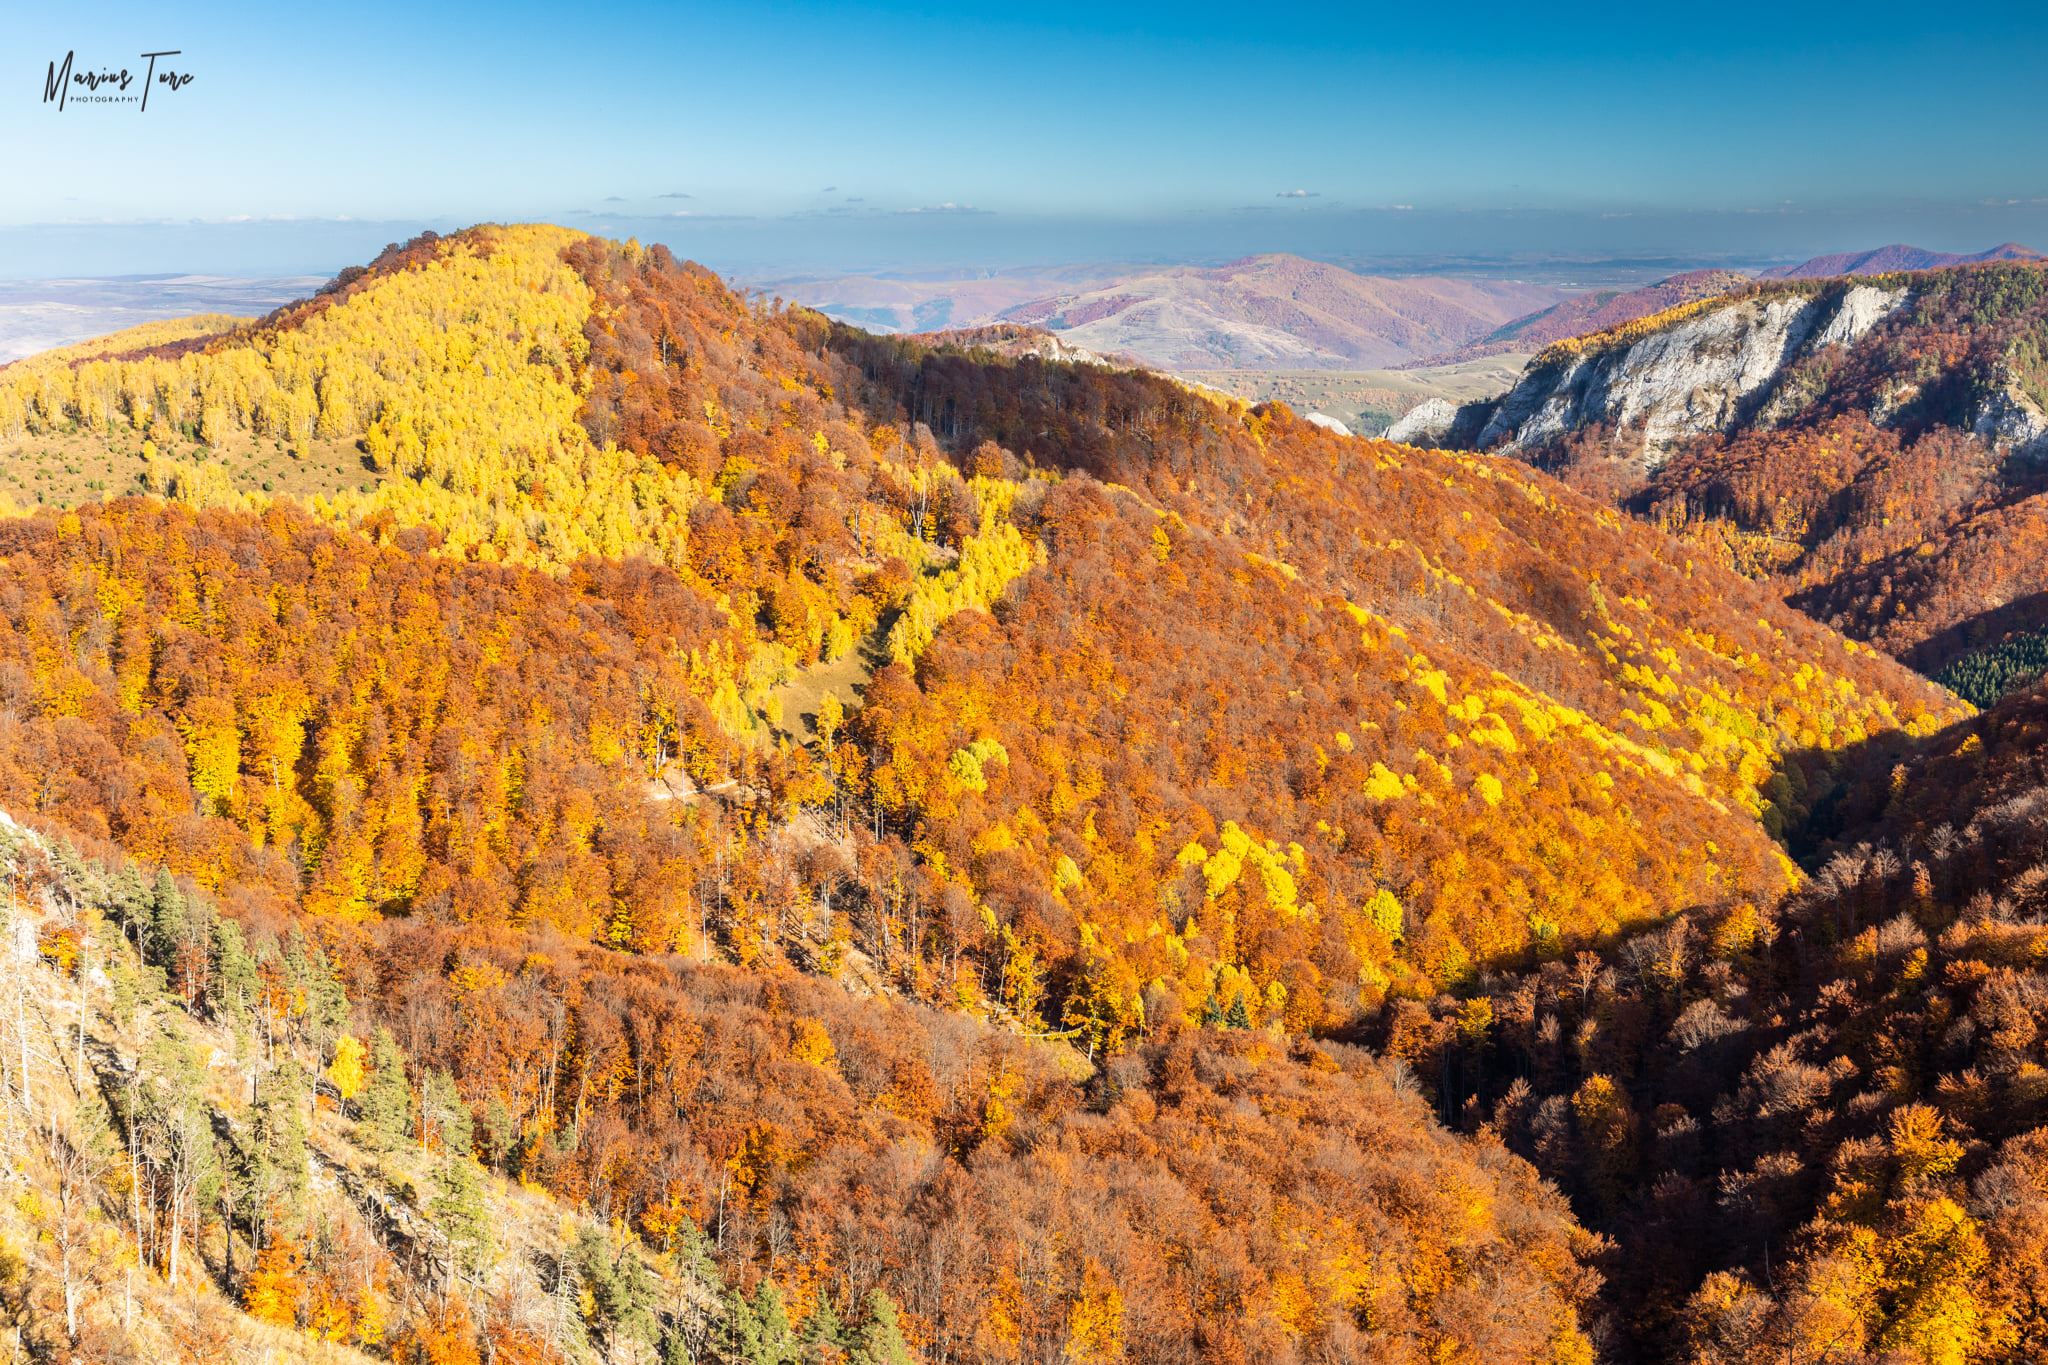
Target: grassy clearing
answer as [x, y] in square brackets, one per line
[1368, 401]
[64, 469]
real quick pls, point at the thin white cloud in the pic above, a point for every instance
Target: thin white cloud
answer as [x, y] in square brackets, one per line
[1297, 194]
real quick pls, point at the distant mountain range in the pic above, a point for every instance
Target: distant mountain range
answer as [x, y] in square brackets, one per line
[1282, 312]
[931, 301]
[1596, 311]
[1886, 259]
[1273, 312]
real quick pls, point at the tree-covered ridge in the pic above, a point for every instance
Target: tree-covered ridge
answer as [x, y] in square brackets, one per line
[1999, 293]
[1158, 825]
[1812, 1128]
[143, 336]
[770, 1171]
[1149, 744]
[1883, 487]
[526, 395]
[1519, 686]
[1986, 674]
[300, 720]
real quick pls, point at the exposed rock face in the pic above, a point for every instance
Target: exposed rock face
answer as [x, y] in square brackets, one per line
[1706, 373]
[2013, 422]
[1327, 423]
[1014, 341]
[1427, 424]
[1861, 308]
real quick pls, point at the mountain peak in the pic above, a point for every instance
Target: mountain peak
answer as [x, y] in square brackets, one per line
[1897, 256]
[1276, 310]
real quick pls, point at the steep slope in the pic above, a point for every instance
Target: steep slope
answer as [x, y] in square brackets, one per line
[217, 1150]
[1872, 449]
[1279, 312]
[205, 1165]
[1147, 739]
[1706, 366]
[1814, 1129]
[1888, 260]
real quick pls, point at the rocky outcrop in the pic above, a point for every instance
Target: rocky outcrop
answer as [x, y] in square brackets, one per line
[1704, 373]
[2012, 422]
[1427, 424]
[1012, 341]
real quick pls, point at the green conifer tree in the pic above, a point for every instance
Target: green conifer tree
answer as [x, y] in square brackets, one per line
[386, 1102]
[824, 1336]
[463, 1213]
[268, 1177]
[623, 1292]
[444, 1111]
[232, 992]
[326, 1002]
[756, 1331]
[166, 922]
[880, 1339]
[128, 898]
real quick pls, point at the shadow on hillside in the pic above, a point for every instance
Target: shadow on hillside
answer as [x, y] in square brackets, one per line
[1850, 793]
[2020, 616]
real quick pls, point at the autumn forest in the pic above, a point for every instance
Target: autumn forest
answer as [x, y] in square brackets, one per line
[558, 812]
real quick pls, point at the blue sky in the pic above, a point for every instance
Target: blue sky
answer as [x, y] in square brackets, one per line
[817, 135]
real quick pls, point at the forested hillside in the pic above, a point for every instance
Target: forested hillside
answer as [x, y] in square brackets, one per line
[1815, 1127]
[1886, 475]
[1812, 1128]
[231, 1141]
[847, 815]
[1903, 502]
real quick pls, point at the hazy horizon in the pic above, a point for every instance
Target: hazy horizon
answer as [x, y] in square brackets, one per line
[777, 139]
[1419, 242]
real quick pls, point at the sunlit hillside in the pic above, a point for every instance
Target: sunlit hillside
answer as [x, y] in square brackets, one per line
[839, 815]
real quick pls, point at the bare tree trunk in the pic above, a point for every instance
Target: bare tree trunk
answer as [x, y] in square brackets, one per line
[67, 1196]
[84, 1002]
[21, 1034]
[177, 1234]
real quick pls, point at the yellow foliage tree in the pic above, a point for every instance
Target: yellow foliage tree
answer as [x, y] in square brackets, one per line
[1095, 1323]
[346, 1072]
